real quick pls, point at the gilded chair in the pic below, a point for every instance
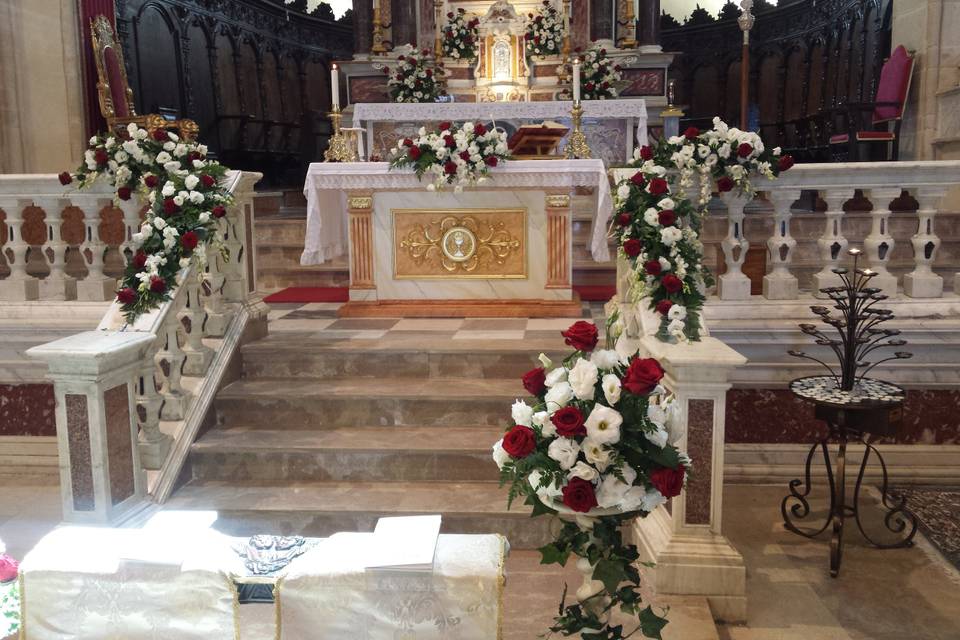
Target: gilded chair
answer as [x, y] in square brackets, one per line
[113, 89]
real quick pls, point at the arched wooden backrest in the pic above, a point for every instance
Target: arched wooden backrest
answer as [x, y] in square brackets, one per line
[116, 97]
[894, 85]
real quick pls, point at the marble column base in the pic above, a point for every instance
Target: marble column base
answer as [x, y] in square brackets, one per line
[99, 290]
[217, 323]
[734, 286]
[887, 283]
[153, 453]
[780, 288]
[824, 280]
[928, 285]
[59, 289]
[23, 290]
[197, 362]
[174, 407]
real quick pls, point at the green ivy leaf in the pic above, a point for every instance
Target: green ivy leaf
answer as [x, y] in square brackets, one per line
[652, 624]
[552, 554]
[611, 573]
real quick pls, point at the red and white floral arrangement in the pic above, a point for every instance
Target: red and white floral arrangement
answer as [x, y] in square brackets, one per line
[415, 77]
[544, 36]
[460, 35]
[600, 77]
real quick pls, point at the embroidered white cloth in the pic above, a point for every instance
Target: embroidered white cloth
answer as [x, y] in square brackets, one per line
[326, 185]
[366, 112]
[326, 593]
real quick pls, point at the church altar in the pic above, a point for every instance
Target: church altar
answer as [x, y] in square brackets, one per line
[506, 242]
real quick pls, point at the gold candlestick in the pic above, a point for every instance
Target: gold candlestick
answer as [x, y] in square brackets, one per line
[377, 32]
[577, 146]
[340, 149]
[566, 29]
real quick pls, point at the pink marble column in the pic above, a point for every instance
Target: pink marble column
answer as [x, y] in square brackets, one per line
[580, 23]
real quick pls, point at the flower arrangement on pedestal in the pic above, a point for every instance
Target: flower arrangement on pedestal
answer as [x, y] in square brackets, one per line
[544, 36]
[185, 201]
[596, 447]
[599, 76]
[415, 78]
[9, 594]
[657, 225]
[461, 156]
[460, 35]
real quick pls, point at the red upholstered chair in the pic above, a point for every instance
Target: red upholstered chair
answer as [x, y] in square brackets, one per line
[881, 140]
[116, 97]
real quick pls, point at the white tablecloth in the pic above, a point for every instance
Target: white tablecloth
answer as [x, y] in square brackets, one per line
[326, 185]
[366, 112]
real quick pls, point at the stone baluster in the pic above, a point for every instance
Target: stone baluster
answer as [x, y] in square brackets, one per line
[170, 360]
[922, 282]
[192, 318]
[233, 288]
[153, 443]
[57, 285]
[832, 243]
[131, 223]
[96, 286]
[19, 285]
[734, 284]
[879, 244]
[218, 315]
[780, 284]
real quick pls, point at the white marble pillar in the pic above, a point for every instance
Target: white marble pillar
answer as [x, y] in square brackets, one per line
[57, 285]
[19, 285]
[734, 284]
[922, 282]
[879, 244]
[95, 286]
[780, 284]
[832, 243]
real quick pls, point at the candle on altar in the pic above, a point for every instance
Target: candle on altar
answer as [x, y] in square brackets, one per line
[576, 80]
[376, 4]
[335, 86]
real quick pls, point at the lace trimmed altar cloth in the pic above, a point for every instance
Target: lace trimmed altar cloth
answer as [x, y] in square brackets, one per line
[327, 183]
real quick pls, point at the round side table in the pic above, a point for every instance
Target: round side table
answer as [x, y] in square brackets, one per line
[872, 408]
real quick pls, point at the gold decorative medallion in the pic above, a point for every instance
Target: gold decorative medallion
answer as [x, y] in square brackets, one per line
[360, 202]
[460, 243]
[557, 201]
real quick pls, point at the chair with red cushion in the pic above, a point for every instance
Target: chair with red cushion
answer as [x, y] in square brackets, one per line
[882, 140]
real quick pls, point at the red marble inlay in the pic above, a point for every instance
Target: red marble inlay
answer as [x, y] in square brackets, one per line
[700, 450]
[27, 410]
[119, 443]
[78, 436]
[644, 82]
[580, 23]
[368, 89]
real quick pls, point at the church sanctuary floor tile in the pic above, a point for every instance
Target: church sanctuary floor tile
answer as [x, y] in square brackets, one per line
[285, 324]
[494, 324]
[518, 334]
[428, 324]
[363, 324]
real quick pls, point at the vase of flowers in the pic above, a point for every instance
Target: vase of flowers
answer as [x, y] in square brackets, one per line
[600, 77]
[544, 35]
[415, 77]
[460, 35]
[595, 447]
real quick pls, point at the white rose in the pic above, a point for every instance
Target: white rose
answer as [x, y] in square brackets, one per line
[178, 200]
[191, 182]
[137, 238]
[204, 217]
[196, 197]
[611, 388]
[159, 223]
[551, 490]
[500, 456]
[584, 471]
[558, 396]
[667, 203]
[651, 217]
[169, 146]
[603, 425]
[658, 437]
[547, 428]
[596, 454]
[522, 413]
[605, 358]
[556, 376]
[677, 312]
[670, 235]
[613, 490]
[583, 379]
[664, 264]
[564, 451]
[623, 191]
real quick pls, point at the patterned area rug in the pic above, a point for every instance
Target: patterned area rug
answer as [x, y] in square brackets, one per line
[938, 510]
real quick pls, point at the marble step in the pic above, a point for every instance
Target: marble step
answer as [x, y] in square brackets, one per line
[324, 508]
[277, 229]
[360, 454]
[274, 278]
[294, 403]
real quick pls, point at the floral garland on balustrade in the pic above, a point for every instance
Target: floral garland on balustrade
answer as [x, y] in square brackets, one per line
[460, 36]
[185, 198]
[596, 447]
[657, 226]
[461, 156]
[415, 78]
[599, 76]
[544, 35]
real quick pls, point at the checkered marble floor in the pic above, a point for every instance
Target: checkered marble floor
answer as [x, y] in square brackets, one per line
[320, 320]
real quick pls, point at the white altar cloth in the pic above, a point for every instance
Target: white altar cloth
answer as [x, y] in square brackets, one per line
[326, 185]
[367, 112]
[326, 593]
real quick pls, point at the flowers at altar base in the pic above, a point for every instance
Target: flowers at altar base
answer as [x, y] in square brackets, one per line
[9, 594]
[600, 77]
[184, 196]
[457, 155]
[544, 34]
[658, 218]
[460, 35]
[415, 77]
[597, 440]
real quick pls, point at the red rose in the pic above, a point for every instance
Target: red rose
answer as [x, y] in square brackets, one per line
[100, 156]
[150, 180]
[724, 184]
[449, 141]
[465, 156]
[535, 381]
[169, 206]
[652, 267]
[194, 155]
[126, 296]
[589, 86]
[520, 441]
[140, 259]
[632, 247]
[9, 568]
[646, 152]
[691, 133]
[663, 307]
[158, 284]
[479, 129]
[189, 240]
[450, 167]
[399, 77]
[536, 39]
[579, 495]
[207, 180]
[744, 150]
[450, 15]
[569, 422]
[669, 482]
[667, 217]
[65, 178]
[124, 193]
[581, 335]
[637, 179]
[219, 211]
[672, 283]
[603, 52]
[785, 162]
[429, 72]
[414, 153]
[642, 376]
[444, 126]
[624, 219]
[658, 186]
[490, 161]
[400, 58]
[160, 135]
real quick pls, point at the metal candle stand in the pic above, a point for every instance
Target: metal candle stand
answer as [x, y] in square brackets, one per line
[854, 408]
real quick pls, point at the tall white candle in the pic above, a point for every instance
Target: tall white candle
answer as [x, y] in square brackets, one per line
[335, 86]
[376, 4]
[576, 81]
